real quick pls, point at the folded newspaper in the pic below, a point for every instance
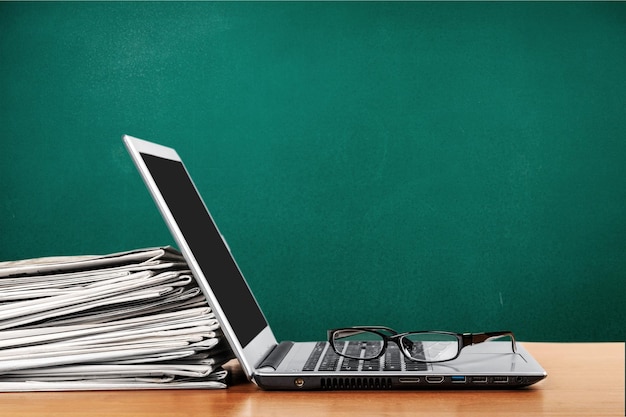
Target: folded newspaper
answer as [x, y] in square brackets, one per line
[131, 320]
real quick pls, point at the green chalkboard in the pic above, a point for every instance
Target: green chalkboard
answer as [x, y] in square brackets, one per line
[455, 166]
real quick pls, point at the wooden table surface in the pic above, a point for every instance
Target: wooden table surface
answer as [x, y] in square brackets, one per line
[584, 379]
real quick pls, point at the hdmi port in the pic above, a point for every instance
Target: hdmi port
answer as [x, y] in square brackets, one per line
[434, 379]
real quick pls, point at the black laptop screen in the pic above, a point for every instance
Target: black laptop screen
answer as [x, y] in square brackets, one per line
[205, 242]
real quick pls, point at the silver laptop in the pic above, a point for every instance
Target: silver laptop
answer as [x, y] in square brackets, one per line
[334, 364]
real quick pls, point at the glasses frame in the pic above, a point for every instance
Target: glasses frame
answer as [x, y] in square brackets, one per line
[463, 339]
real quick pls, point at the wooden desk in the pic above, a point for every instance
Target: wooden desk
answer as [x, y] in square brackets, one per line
[583, 380]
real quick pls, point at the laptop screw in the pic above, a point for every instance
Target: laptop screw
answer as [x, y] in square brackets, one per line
[299, 382]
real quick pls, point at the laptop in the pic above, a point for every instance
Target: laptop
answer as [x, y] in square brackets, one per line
[287, 365]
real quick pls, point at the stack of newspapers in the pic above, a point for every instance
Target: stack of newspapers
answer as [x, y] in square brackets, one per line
[131, 320]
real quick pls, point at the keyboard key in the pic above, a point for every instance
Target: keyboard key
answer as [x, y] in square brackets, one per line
[415, 366]
[373, 365]
[330, 361]
[314, 357]
[350, 364]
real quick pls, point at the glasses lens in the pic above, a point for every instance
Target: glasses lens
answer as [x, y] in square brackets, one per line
[430, 347]
[357, 343]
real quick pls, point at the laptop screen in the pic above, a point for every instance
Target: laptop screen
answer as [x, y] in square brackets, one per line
[206, 244]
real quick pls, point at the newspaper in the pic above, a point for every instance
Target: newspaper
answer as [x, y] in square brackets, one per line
[130, 320]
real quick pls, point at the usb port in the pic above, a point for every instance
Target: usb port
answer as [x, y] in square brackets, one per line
[500, 379]
[479, 379]
[457, 379]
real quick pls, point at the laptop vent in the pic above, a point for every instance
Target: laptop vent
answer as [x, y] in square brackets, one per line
[356, 383]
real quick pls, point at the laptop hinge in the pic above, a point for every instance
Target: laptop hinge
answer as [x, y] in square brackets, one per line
[276, 355]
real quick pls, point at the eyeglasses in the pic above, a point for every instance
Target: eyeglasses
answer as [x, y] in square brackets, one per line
[370, 342]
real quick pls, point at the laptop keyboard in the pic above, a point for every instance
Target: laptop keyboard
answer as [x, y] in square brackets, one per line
[392, 360]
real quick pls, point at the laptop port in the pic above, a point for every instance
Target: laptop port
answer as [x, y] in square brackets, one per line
[412, 380]
[479, 379]
[458, 379]
[434, 379]
[500, 379]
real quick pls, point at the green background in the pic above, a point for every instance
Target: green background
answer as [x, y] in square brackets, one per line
[455, 166]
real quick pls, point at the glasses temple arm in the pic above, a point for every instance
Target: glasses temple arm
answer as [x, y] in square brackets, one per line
[474, 338]
[355, 330]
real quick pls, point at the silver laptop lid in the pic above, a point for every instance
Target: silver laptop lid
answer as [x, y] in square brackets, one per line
[205, 250]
